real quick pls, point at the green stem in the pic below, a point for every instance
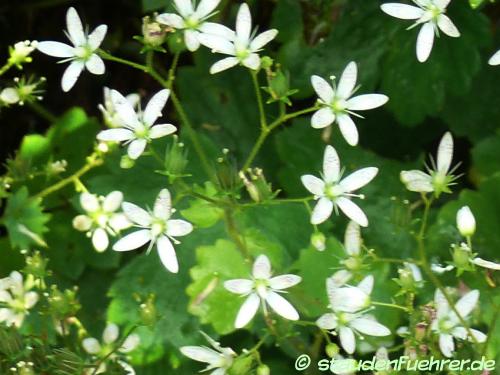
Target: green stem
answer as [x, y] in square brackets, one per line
[278, 201]
[390, 305]
[42, 112]
[234, 233]
[171, 71]
[6, 67]
[109, 57]
[260, 103]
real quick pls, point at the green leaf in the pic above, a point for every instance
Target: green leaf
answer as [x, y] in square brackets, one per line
[485, 155]
[201, 212]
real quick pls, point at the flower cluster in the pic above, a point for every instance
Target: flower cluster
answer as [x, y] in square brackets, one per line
[16, 298]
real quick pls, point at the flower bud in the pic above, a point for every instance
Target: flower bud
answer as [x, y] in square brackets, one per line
[20, 52]
[461, 256]
[332, 350]
[263, 370]
[318, 241]
[36, 265]
[82, 223]
[9, 96]
[466, 223]
[420, 331]
[175, 159]
[153, 32]
[126, 162]
[353, 263]
[148, 313]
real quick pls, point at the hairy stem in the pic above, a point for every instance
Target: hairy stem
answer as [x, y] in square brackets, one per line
[260, 103]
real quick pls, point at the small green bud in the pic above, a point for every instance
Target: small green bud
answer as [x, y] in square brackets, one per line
[353, 263]
[332, 350]
[175, 159]
[148, 313]
[266, 62]
[36, 265]
[153, 32]
[126, 162]
[318, 241]
[263, 370]
[461, 256]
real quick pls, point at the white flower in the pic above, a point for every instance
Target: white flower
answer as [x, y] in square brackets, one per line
[16, 299]
[495, 59]
[332, 191]
[431, 15]
[337, 103]
[21, 51]
[193, 21]
[466, 223]
[82, 54]
[101, 218]
[349, 315]
[439, 178]
[9, 95]
[156, 228]
[109, 338]
[218, 360]
[243, 47]
[447, 324]
[109, 112]
[138, 128]
[263, 289]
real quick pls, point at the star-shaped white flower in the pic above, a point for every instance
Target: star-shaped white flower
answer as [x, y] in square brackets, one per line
[17, 299]
[338, 104]
[431, 15]
[263, 289]
[193, 21]
[334, 191]
[137, 128]
[219, 360]
[495, 59]
[243, 47]
[108, 110]
[440, 177]
[102, 218]
[156, 228]
[448, 325]
[82, 54]
[349, 313]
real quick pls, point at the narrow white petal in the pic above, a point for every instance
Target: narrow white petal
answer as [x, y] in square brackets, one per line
[124, 109]
[327, 321]
[100, 240]
[75, 27]
[331, 165]
[217, 44]
[367, 101]
[223, 64]
[442, 4]
[163, 205]
[446, 344]
[352, 239]
[56, 49]
[417, 181]
[442, 306]
[201, 354]
[402, 11]
[252, 61]
[284, 281]
[478, 335]
[185, 7]
[261, 268]
[133, 240]
[348, 129]
[494, 60]
[111, 333]
[119, 221]
[155, 106]
[205, 7]
[5, 296]
[247, 311]
[322, 211]
[348, 299]
[486, 264]
[415, 271]
[136, 148]
[347, 80]
[91, 345]
[447, 26]
[445, 153]
[358, 179]
[115, 135]
[71, 75]
[95, 65]
[281, 306]
[352, 211]
[171, 19]
[167, 254]
[97, 36]
[89, 202]
[217, 29]
[425, 41]
[243, 23]
[322, 118]
[462, 334]
[467, 303]
[347, 339]
[262, 39]
[366, 285]
[136, 214]
[130, 343]
[369, 327]
[314, 184]
[239, 286]
[323, 89]
[113, 201]
[191, 39]
[338, 279]
[30, 299]
[162, 130]
[179, 228]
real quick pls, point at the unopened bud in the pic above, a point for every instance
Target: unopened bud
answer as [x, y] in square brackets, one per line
[126, 162]
[420, 331]
[263, 370]
[466, 223]
[332, 350]
[318, 241]
[461, 256]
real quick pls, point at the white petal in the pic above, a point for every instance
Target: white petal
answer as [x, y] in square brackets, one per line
[467, 303]
[162, 130]
[352, 239]
[486, 264]
[322, 118]
[442, 4]
[348, 299]
[347, 81]
[347, 339]
[415, 271]
[89, 202]
[223, 64]
[243, 23]
[124, 109]
[252, 61]
[417, 181]
[402, 11]
[281, 306]
[201, 354]
[327, 321]
[478, 335]
[6, 315]
[261, 268]
[56, 49]
[284, 281]
[136, 148]
[262, 39]
[205, 7]
[366, 285]
[348, 129]
[338, 279]
[30, 299]
[71, 75]
[113, 201]
[191, 39]
[185, 7]
[97, 36]
[494, 60]
[133, 240]
[358, 179]
[314, 184]
[247, 311]
[441, 304]
[323, 89]
[352, 211]
[331, 165]
[155, 106]
[462, 334]
[115, 135]
[239, 286]
[95, 65]
[119, 221]
[367, 101]
[447, 26]
[171, 19]
[445, 153]
[111, 333]
[163, 205]
[217, 44]
[369, 327]
[425, 40]
[130, 343]
[136, 214]
[217, 29]
[91, 345]
[5, 296]
[178, 228]
[75, 27]
[446, 344]
[322, 211]
[100, 240]
[167, 254]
